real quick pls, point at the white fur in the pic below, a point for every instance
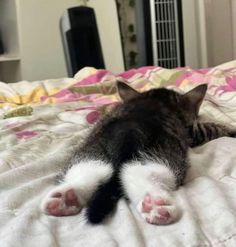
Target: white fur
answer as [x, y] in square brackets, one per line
[83, 178]
[156, 180]
[152, 178]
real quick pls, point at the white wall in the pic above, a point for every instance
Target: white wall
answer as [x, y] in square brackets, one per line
[233, 2]
[39, 38]
[108, 26]
[191, 33]
[219, 31]
[203, 33]
[40, 42]
[195, 33]
[208, 32]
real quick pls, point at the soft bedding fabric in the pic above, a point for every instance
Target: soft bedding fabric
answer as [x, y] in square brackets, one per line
[41, 123]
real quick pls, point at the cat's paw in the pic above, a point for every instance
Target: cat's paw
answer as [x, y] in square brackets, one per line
[62, 202]
[158, 211]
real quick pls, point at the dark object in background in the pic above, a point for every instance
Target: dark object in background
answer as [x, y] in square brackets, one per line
[81, 39]
[1, 46]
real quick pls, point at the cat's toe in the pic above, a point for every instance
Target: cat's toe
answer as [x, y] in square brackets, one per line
[146, 204]
[158, 211]
[62, 203]
[158, 220]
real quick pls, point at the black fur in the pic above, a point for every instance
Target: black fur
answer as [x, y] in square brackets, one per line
[104, 200]
[157, 123]
[201, 133]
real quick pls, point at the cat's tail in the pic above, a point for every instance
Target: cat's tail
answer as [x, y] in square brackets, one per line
[104, 200]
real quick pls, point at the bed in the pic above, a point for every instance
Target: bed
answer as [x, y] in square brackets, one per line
[42, 121]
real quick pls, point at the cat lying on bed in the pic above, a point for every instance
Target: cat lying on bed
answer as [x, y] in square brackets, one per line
[138, 151]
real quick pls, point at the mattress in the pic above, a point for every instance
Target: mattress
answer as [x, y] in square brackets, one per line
[42, 121]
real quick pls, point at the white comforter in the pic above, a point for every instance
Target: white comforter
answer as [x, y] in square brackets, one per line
[27, 172]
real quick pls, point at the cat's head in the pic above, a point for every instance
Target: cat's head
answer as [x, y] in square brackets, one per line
[164, 100]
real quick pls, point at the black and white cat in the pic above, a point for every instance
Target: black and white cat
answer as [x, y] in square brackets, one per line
[137, 151]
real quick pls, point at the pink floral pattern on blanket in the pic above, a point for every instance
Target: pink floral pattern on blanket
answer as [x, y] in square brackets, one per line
[91, 88]
[230, 84]
[84, 102]
[26, 134]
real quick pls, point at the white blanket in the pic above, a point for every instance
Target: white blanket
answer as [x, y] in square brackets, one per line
[28, 168]
[208, 200]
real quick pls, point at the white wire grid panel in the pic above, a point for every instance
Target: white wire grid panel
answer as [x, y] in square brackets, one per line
[165, 33]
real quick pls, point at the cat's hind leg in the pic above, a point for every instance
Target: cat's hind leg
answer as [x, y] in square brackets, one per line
[149, 187]
[79, 184]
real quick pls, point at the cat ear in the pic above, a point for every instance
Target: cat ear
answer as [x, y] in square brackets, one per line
[126, 92]
[193, 99]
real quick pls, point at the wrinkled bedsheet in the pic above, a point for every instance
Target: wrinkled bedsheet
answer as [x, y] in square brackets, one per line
[41, 123]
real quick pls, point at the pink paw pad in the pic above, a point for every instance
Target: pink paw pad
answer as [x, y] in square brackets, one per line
[157, 210]
[62, 204]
